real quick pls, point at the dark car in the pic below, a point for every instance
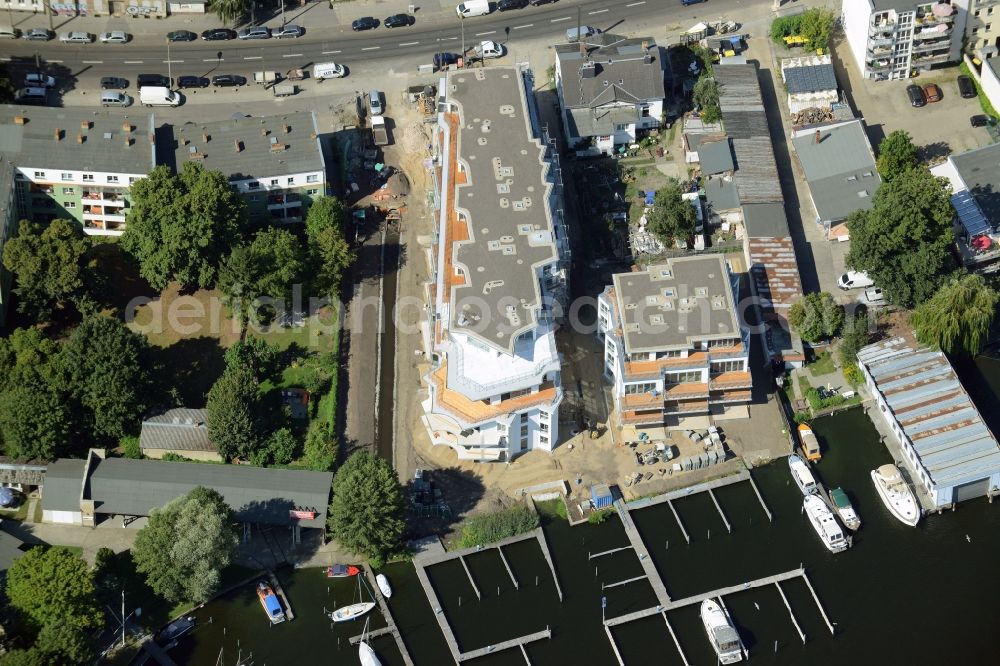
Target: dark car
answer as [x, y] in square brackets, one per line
[113, 83]
[398, 21]
[506, 5]
[966, 88]
[916, 95]
[218, 34]
[364, 23]
[152, 80]
[181, 36]
[442, 60]
[979, 120]
[192, 82]
[535, 3]
[228, 81]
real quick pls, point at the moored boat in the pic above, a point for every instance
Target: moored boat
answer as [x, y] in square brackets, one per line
[383, 585]
[367, 655]
[176, 629]
[810, 445]
[801, 475]
[352, 612]
[342, 571]
[825, 524]
[269, 601]
[722, 634]
[842, 503]
[896, 494]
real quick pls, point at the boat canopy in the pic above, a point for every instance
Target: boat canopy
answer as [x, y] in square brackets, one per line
[888, 472]
[273, 606]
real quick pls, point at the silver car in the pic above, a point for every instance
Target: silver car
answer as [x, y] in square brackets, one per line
[289, 30]
[76, 38]
[260, 32]
[114, 37]
[39, 80]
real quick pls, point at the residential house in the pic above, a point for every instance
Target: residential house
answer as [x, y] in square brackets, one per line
[610, 90]
[975, 185]
[891, 39]
[674, 346]
[810, 82]
[180, 431]
[500, 265]
[982, 30]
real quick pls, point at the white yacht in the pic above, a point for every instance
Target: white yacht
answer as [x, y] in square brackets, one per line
[721, 633]
[802, 476]
[825, 524]
[896, 494]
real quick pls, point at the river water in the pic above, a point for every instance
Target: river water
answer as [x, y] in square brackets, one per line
[899, 596]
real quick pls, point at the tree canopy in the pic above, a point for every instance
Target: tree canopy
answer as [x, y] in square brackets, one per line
[269, 267]
[329, 252]
[235, 414]
[180, 226]
[35, 422]
[816, 317]
[904, 242]
[367, 510]
[53, 586]
[672, 217]
[896, 155]
[255, 355]
[229, 11]
[957, 318]
[706, 98]
[47, 262]
[325, 212]
[186, 544]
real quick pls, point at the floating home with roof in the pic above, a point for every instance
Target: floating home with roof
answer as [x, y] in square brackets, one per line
[499, 263]
[674, 346]
[948, 449]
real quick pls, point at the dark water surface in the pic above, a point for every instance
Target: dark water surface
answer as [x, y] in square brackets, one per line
[899, 596]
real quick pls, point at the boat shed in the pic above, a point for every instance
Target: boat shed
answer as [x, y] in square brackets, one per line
[946, 446]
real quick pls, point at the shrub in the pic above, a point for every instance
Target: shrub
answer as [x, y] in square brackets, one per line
[489, 528]
[130, 447]
[801, 417]
[815, 401]
[852, 373]
[598, 517]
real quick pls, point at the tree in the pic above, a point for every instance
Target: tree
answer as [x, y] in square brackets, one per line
[854, 336]
[47, 264]
[706, 99]
[672, 217]
[235, 421]
[186, 544]
[229, 11]
[255, 355]
[319, 451]
[28, 357]
[325, 212]
[904, 241]
[281, 446]
[64, 644]
[367, 511]
[6, 86]
[35, 422]
[817, 27]
[815, 317]
[109, 370]
[53, 585]
[180, 227]
[269, 267]
[30, 657]
[957, 318]
[329, 252]
[896, 154]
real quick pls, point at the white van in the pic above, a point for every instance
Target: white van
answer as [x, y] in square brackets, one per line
[115, 98]
[158, 96]
[473, 8]
[854, 280]
[328, 70]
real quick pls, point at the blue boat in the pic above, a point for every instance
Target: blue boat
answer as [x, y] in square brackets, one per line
[269, 600]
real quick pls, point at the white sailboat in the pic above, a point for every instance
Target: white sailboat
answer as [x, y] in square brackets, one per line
[896, 494]
[366, 654]
[801, 475]
[355, 610]
[825, 524]
[722, 634]
[383, 585]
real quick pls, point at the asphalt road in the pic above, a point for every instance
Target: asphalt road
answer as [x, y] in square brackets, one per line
[416, 43]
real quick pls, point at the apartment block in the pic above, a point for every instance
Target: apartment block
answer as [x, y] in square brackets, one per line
[982, 30]
[891, 39]
[674, 347]
[499, 261]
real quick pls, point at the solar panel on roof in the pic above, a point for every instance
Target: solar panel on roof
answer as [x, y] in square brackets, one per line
[969, 214]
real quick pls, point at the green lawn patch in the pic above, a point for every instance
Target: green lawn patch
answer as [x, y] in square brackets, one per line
[823, 365]
[487, 528]
[75, 550]
[554, 508]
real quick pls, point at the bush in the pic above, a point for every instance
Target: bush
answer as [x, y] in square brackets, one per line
[489, 528]
[801, 417]
[130, 447]
[598, 517]
[815, 401]
[852, 373]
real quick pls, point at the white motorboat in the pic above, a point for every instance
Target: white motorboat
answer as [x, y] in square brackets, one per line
[721, 632]
[383, 584]
[825, 524]
[352, 612]
[896, 494]
[845, 509]
[802, 476]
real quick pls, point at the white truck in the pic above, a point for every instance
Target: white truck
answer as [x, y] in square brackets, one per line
[158, 96]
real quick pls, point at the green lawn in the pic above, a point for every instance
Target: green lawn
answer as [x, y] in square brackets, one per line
[823, 365]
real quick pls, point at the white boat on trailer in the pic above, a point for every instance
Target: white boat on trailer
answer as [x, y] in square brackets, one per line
[825, 524]
[802, 476]
[721, 632]
[896, 494]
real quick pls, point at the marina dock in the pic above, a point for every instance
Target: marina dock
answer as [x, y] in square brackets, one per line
[157, 654]
[278, 590]
[387, 614]
[648, 566]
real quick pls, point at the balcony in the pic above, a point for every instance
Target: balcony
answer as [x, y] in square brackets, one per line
[930, 59]
[884, 51]
[878, 65]
[882, 28]
[686, 407]
[923, 47]
[686, 390]
[102, 217]
[730, 380]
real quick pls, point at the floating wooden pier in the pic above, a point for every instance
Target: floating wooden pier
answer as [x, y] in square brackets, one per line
[509, 570]
[721, 514]
[678, 519]
[802, 634]
[644, 559]
[354, 640]
[741, 475]
[514, 642]
[614, 646]
[472, 581]
[278, 590]
[591, 556]
[157, 654]
[387, 614]
[818, 604]
[623, 582]
[677, 643]
[760, 497]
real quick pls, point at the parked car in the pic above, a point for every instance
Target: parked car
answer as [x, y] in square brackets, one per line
[31, 95]
[152, 81]
[442, 60]
[398, 21]
[916, 95]
[328, 70]
[979, 120]
[258, 32]
[375, 102]
[192, 82]
[39, 80]
[181, 36]
[966, 88]
[76, 37]
[873, 297]
[854, 280]
[507, 5]
[932, 93]
[115, 98]
[364, 23]
[37, 35]
[489, 49]
[289, 30]
[115, 37]
[113, 83]
[228, 81]
[218, 34]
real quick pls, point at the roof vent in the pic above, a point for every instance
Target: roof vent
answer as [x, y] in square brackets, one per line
[108, 136]
[588, 70]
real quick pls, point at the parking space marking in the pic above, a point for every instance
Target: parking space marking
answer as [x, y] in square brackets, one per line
[409, 43]
[371, 48]
[518, 27]
[127, 62]
[491, 32]
[596, 11]
[330, 52]
[564, 18]
[292, 55]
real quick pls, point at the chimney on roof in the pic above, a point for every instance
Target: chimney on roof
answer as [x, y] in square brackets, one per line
[128, 141]
[588, 70]
[58, 134]
[239, 145]
[286, 128]
[127, 127]
[20, 120]
[185, 141]
[645, 45]
[816, 137]
[80, 138]
[205, 137]
[85, 124]
[264, 131]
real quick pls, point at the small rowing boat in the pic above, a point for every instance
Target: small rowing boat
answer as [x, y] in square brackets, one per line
[383, 584]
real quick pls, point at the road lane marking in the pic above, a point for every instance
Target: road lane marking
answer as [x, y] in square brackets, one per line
[447, 39]
[409, 43]
[596, 11]
[253, 57]
[518, 27]
[636, 4]
[165, 61]
[91, 62]
[491, 32]
[292, 55]
[213, 59]
[127, 62]
[371, 48]
[330, 52]
[564, 18]
[55, 61]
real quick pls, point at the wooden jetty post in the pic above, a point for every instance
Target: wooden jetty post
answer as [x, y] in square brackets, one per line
[802, 634]
[289, 614]
[760, 497]
[680, 651]
[475, 588]
[509, 570]
[677, 517]
[721, 514]
[614, 646]
[818, 604]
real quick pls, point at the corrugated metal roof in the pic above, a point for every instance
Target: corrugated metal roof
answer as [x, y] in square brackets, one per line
[927, 399]
[177, 429]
